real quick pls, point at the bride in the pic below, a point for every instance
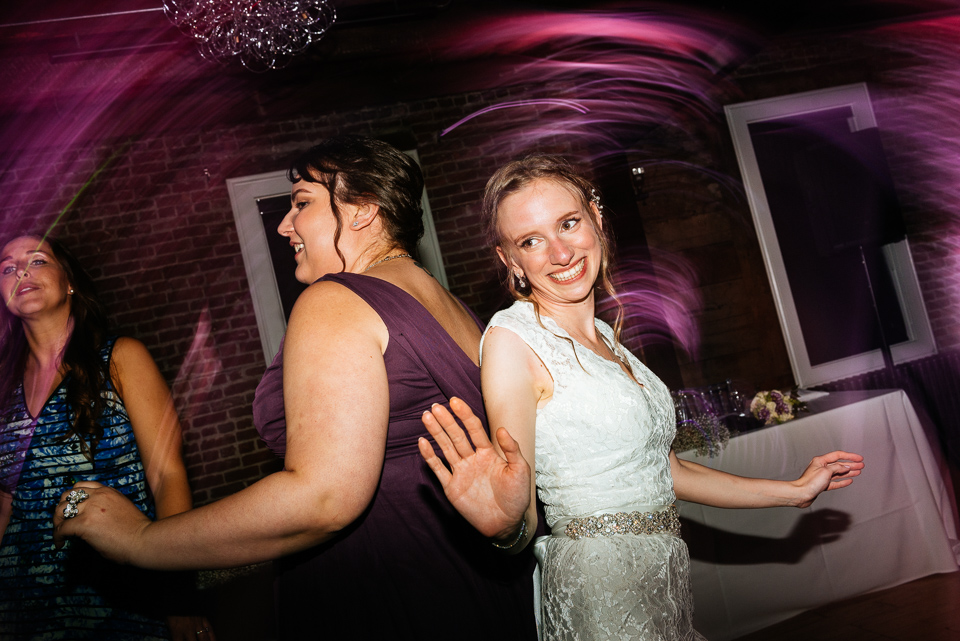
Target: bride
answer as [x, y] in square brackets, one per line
[592, 423]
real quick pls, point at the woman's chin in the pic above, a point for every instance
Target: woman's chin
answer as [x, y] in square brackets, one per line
[303, 275]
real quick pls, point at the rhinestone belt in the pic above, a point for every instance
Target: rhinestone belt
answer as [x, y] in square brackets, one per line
[664, 522]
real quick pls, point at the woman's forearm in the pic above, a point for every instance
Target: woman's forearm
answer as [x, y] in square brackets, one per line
[278, 515]
[265, 521]
[700, 484]
[172, 496]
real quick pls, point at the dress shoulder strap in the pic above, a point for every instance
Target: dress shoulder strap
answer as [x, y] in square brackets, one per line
[542, 336]
[413, 329]
[106, 350]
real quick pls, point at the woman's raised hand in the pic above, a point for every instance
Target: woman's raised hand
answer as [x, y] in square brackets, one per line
[491, 491]
[105, 519]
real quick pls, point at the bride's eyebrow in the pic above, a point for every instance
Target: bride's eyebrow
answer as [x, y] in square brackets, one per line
[524, 236]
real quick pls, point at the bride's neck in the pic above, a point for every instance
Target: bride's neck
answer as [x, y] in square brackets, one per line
[577, 319]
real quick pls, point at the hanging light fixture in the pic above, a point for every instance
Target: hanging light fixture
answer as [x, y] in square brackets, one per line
[263, 34]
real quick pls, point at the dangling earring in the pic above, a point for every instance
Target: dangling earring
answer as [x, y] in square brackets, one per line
[519, 281]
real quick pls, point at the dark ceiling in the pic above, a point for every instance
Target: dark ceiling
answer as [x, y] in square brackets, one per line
[22, 24]
[57, 54]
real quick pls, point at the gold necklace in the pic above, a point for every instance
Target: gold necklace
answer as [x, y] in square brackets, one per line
[383, 260]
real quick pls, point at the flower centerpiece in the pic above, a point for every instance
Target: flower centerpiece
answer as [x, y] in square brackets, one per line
[774, 407]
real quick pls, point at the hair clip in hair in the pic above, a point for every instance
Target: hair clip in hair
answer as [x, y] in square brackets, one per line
[595, 199]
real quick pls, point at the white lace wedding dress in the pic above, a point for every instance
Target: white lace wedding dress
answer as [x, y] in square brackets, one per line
[602, 445]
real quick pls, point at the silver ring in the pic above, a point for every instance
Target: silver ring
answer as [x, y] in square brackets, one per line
[77, 496]
[70, 511]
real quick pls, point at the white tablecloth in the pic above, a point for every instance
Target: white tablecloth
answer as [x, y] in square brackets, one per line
[896, 523]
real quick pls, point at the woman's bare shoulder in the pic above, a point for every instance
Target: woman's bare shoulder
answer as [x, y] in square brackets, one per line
[327, 310]
[129, 353]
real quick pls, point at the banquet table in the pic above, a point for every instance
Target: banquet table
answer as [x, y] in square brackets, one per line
[897, 522]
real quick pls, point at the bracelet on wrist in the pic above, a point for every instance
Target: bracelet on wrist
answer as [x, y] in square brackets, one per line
[520, 536]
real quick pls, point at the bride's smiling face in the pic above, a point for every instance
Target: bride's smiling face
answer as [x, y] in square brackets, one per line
[549, 239]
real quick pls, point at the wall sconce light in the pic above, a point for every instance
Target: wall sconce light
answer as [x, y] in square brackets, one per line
[637, 174]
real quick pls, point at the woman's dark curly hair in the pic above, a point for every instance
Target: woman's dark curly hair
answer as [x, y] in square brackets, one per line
[87, 373]
[361, 171]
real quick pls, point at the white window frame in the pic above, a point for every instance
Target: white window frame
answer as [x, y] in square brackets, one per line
[245, 192]
[920, 342]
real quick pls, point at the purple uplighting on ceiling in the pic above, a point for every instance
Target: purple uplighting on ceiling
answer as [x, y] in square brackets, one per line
[517, 103]
[627, 71]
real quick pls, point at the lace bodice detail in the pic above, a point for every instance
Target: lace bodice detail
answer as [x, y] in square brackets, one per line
[602, 441]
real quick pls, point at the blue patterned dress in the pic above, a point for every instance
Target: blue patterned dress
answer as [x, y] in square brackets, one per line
[72, 593]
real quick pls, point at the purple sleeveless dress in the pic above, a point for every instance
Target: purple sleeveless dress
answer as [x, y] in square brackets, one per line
[410, 567]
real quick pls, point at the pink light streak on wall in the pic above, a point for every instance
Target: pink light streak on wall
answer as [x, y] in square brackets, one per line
[918, 113]
[71, 124]
[629, 69]
[633, 71]
[517, 103]
[199, 369]
[675, 33]
[661, 303]
[75, 114]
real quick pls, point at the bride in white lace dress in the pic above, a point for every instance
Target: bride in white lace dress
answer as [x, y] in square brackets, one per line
[592, 422]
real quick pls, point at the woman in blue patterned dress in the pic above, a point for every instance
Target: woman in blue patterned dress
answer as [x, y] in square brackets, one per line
[75, 405]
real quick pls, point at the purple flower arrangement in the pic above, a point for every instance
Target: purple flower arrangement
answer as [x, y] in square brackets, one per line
[774, 407]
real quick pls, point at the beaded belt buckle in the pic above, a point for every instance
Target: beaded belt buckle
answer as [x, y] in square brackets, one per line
[665, 522]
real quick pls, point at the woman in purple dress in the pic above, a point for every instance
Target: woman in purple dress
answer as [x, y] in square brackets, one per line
[366, 535]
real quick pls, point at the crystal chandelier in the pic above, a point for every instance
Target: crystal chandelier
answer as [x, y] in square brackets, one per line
[263, 34]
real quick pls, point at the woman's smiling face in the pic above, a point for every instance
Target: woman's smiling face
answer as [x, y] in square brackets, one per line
[548, 238]
[311, 226]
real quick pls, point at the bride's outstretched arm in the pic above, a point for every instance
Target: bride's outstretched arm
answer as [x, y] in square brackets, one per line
[700, 484]
[492, 482]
